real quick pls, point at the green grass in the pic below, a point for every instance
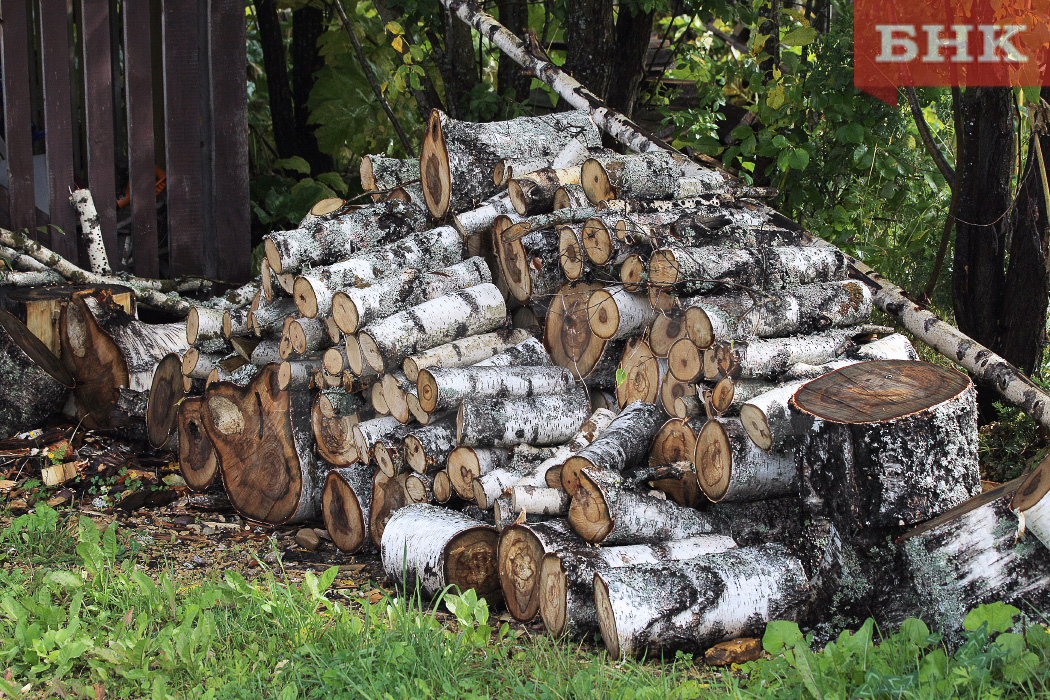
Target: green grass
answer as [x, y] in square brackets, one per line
[103, 624]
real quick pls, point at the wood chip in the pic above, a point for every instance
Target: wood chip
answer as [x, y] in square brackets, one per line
[735, 651]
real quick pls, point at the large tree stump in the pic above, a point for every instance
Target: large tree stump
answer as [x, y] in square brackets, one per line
[693, 604]
[40, 308]
[433, 547]
[892, 442]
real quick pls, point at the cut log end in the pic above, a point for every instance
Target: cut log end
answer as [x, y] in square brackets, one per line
[606, 617]
[714, 460]
[442, 487]
[757, 426]
[434, 169]
[427, 391]
[520, 554]
[305, 297]
[698, 327]
[553, 594]
[273, 256]
[605, 318]
[343, 516]
[192, 325]
[570, 254]
[633, 274]
[471, 561]
[596, 183]
[588, 512]
[597, 241]
[663, 268]
[370, 351]
[162, 407]
[684, 360]
[197, 459]
[344, 311]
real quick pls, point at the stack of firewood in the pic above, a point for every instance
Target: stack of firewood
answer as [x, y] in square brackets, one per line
[710, 405]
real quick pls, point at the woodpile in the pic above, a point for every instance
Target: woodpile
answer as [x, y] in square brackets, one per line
[617, 391]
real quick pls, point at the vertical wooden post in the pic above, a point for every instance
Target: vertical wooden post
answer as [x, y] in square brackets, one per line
[58, 137]
[139, 98]
[183, 137]
[231, 216]
[98, 108]
[14, 47]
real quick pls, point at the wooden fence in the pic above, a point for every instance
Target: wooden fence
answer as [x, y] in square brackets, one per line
[145, 103]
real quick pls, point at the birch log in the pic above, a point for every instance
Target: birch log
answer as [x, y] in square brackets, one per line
[892, 442]
[790, 311]
[356, 308]
[539, 420]
[427, 448]
[428, 250]
[700, 270]
[695, 603]
[328, 241]
[265, 445]
[565, 587]
[433, 547]
[521, 551]
[530, 264]
[652, 175]
[1032, 505]
[445, 389]
[770, 357]
[616, 313]
[367, 432]
[457, 158]
[333, 416]
[543, 474]
[533, 194]
[605, 510]
[36, 385]
[345, 500]
[466, 312]
[380, 173]
[91, 228]
[464, 352]
[468, 463]
[477, 221]
[624, 443]
[730, 467]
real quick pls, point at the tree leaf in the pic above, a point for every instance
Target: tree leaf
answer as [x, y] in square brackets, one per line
[801, 36]
[296, 163]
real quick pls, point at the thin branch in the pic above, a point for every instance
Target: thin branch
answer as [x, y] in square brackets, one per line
[366, 68]
[927, 137]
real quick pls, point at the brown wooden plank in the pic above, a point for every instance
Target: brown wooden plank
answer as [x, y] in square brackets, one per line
[98, 99]
[231, 213]
[58, 119]
[138, 82]
[183, 137]
[14, 36]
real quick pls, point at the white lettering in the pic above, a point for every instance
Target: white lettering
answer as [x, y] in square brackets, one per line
[890, 43]
[999, 38]
[935, 42]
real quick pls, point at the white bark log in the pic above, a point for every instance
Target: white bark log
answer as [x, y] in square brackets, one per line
[770, 357]
[464, 352]
[730, 467]
[432, 547]
[427, 448]
[699, 270]
[345, 501]
[380, 173]
[466, 312]
[619, 314]
[92, 229]
[367, 432]
[696, 603]
[446, 388]
[468, 463]
[540, 420]
[624, 443]
[539, 499]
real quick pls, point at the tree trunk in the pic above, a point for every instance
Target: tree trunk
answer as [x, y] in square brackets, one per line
[345, 503]
[605, 510]
[458, 65]
[512, 81]
[104, 349]
[893, 442]
[633, 31]
[432, 547]
[388, 342]
[566, 576]
[282, 109]
[198, 462]
[540, 420]
[591, 44]
[698, 602]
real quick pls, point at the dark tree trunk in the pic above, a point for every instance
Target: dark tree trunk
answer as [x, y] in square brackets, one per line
[308, 24]
[999, 278]
[1022, 329]
[632, 44]
[282, 110]
[589, 33]
[514, 15]
[459, 65]
[770, 27]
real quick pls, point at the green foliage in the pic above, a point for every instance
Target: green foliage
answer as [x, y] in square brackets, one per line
[39, 536]
[992, 661]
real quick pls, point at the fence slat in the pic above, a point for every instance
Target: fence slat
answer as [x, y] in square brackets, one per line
[98, 99]
[182, 103]
[58, 118]
[139, 98]
[229, 104]
[14, 35]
